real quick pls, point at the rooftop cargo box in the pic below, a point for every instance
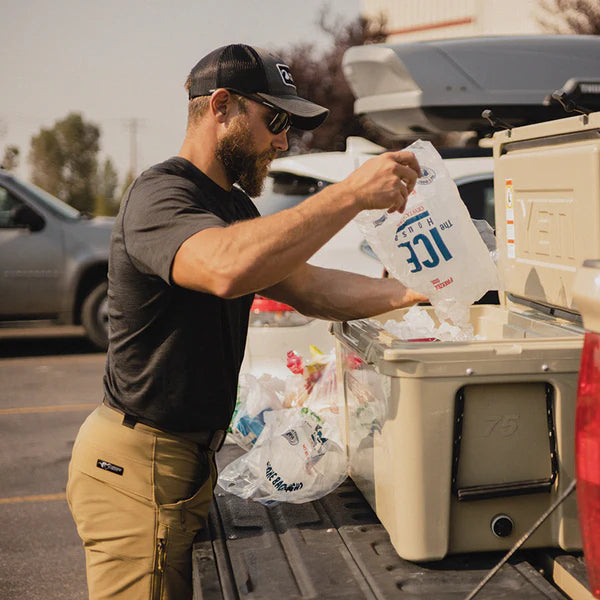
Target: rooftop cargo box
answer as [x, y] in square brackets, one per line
[444, 85]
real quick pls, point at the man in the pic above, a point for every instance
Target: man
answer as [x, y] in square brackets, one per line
[188, 252]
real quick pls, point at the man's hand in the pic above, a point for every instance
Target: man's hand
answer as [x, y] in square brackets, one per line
[384, 181]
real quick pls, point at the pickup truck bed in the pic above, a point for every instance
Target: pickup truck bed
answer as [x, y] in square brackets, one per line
[336, 548]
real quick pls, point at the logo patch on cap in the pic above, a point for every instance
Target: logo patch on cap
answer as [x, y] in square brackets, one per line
[286, 75]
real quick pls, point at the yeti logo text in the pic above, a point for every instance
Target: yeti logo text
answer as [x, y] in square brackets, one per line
[286, 75]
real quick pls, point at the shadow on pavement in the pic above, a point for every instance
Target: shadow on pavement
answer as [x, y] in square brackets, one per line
[27, 342]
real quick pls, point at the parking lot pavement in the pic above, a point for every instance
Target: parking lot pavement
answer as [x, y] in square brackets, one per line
[51, 380]
[40, 553]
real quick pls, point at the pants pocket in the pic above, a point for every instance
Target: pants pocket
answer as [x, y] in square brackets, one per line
[178, 523]
[190, 514]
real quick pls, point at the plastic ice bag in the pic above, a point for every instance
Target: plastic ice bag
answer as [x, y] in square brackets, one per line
[433, 247]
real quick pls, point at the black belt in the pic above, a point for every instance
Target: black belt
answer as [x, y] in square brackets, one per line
[211, 440]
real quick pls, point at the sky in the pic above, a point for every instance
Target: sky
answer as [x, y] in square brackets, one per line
[122, 63]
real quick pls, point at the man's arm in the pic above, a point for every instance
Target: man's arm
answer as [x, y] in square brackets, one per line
[253, 255]
[341, 296]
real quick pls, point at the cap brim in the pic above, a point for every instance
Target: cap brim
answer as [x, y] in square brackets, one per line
[305, 115]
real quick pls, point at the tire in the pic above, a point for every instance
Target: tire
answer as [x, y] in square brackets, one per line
[94, 315]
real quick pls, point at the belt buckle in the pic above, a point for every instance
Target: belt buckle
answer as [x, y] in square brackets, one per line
[217, 440]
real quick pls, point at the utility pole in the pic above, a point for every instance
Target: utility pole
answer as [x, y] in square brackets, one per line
[133, 130]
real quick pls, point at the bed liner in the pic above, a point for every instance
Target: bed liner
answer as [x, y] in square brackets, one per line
[336, 548]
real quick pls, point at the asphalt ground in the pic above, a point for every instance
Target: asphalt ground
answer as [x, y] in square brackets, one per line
[50, 380]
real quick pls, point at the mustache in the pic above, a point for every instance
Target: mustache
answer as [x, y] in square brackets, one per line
[267, 156]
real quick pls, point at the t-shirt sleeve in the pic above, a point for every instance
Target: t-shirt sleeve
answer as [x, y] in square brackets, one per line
[159, 216]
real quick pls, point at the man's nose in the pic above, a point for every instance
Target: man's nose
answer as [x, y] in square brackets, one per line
[280, 141]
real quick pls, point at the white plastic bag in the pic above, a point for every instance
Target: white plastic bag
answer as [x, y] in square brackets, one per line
[297, 458]
[255, 398]
[299, 455]
[433, 247]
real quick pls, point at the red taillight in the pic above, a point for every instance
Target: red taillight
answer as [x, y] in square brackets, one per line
[587, 453]
[270, 313]
[262, 304]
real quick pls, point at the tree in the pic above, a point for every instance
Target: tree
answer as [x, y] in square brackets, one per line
[129, 179]
[64, 161]
[10, 161]
[570, 16]
[318, 75]
[108, 180]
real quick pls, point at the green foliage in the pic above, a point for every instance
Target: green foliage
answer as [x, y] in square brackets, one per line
[107, 202]
[64, 161]
[10, 161]
[129, 179]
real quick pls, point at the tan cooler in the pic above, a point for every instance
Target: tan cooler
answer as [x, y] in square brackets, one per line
[460, 446]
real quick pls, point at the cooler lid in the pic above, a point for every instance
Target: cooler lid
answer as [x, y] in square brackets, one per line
[547, 205]
[444, 85]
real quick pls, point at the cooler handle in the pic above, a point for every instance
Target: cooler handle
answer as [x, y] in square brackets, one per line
[484, 492]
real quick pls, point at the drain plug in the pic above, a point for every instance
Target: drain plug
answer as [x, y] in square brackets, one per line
[502, 526]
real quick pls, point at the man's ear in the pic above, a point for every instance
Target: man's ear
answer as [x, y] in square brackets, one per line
[220, 104]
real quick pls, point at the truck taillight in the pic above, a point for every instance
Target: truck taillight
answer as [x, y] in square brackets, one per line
[587, 452]
[270, 313]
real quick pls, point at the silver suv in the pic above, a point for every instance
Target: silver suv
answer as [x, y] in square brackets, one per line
[53, 260]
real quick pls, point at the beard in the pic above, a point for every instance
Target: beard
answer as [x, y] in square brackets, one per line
[242, 163]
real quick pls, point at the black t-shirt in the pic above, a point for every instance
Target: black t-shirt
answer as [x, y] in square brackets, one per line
[174, 354]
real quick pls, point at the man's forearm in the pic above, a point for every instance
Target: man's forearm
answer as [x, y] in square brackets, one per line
[341, 296]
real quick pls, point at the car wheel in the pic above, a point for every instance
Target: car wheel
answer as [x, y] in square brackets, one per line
[94, 315]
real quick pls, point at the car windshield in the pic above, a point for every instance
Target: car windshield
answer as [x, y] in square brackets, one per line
[54, 205]
[284, 190]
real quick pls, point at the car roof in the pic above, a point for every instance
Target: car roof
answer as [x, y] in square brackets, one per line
[328, 166]
[332, 167]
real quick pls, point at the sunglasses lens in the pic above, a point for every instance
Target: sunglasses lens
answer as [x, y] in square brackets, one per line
[279, 123]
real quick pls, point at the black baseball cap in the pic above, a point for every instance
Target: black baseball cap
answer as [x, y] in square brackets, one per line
[255, 71]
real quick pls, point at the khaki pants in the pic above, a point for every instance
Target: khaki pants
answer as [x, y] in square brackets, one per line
[138, 497]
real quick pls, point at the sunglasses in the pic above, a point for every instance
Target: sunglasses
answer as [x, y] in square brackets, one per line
[280, 122]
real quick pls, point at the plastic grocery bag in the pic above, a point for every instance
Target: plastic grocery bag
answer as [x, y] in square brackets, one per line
[433, 247]
[256, 396]
[297, 458]
[299, 455]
